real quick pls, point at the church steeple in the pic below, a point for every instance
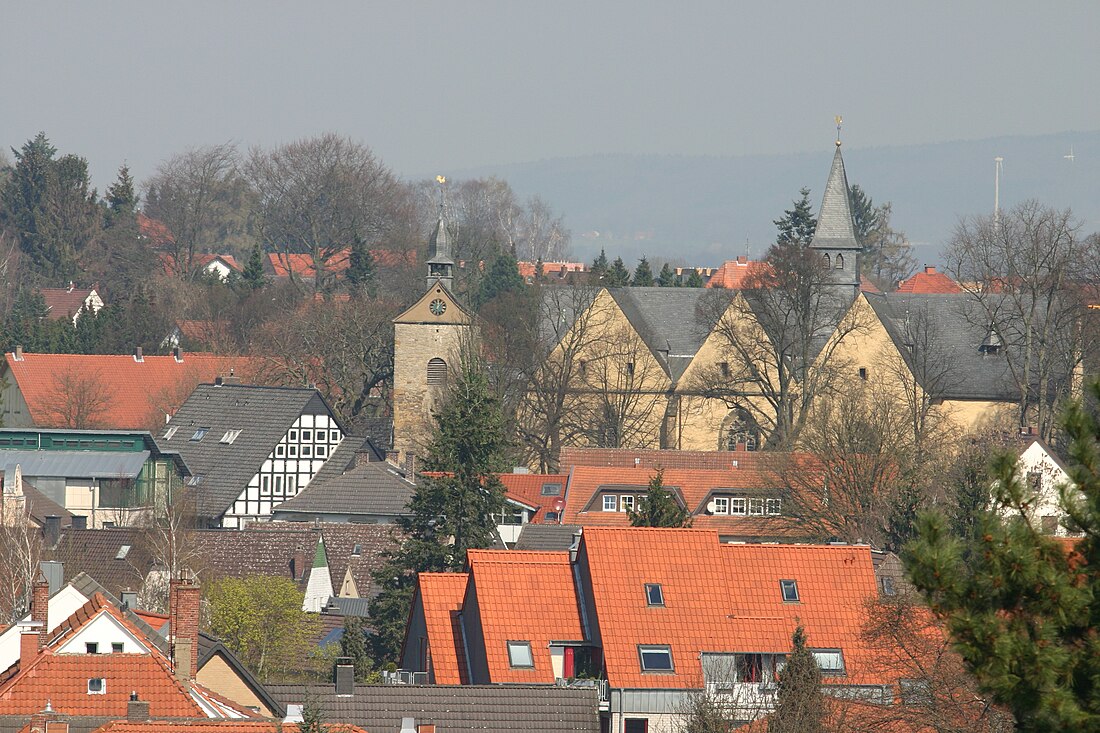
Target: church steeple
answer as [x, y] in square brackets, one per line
[441, 264]
[835, 235]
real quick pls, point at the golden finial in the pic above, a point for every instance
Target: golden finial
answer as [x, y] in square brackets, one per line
[443, 179]
[839, 121]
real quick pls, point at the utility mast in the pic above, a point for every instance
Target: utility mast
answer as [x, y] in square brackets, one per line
[997, 189]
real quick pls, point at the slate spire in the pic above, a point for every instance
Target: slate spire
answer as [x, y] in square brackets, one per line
[441, 264]
[835, 228]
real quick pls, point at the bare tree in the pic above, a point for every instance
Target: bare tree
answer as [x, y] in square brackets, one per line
[1027, 271]
[20, 552]
[316, 195]
[203, 200]
[78, 399]
[170, 539]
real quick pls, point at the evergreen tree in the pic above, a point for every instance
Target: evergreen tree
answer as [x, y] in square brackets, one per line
[1021, 609]
[797, 225]
[502, 277]
[659, 507]
[451, 510]
[865, 216]
[800, 704]
[617, 275]
[353, 644]
[121, 199]
[540, 274]
[695, 280]
[599, 266]
[643, 274]
[361, 271]
[666, 278]
[253, 276]
[314, 719]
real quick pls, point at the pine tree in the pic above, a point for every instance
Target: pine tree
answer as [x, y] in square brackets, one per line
[121, 199]
[797, 224]
[695, 280]
[666, 278]
[865, 216]
[599, 266]
[452, 510]
[314, 719]
[1021, 609]
[800, 704]
[659, 507]
[361, 271]
[617, 275]
[253, 276]
[502, 277]
[643, 274]
[353, 644]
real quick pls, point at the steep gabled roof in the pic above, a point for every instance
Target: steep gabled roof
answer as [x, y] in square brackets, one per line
[929, 281]
[261, 414]
[100, 554]
[537, 490]
[523, 596]
[835, 229]
[370, 489]
[738, 274]
[136, 395]
[441, 596]
[64, 303]
[669, 321]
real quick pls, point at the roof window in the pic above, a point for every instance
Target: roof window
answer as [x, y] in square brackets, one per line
[654, 595]
[122, 552]
[229, 437]
[789, 588]
[97, 686]
[195, 480]
[170, 432]
[519, 655]
[831, 661]
[357, 550]
[199, 434]
[551, 489]
[655, 658]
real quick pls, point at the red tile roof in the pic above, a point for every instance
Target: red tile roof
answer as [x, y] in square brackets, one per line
[738, 274]
[215, 726]
[929, 281]
[154, 230]
[650, 458]
[527, 488]
[441, 597]
[62, 679]
[522, 596]
[556, 269]
[136, 395]
[282, 263]
[64, 303]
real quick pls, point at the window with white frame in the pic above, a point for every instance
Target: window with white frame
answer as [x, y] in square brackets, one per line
[722, 505]
[789, 590]
[610, 503]
[97, 686]
[626, 503]
[655, 658]
[519, 655]
[774, 507]
[737, 506]
[265, 486]
[831, 661]
[756, 507]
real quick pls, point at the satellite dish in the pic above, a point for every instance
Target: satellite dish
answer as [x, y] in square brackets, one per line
[559, 505]
[711, 506]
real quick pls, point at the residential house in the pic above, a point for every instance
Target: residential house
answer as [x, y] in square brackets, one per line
[105, 477]
[110, 392]
[206, 264]
[68, 303]
[651, 618]
[1045, 474]
[551, 271]
[250, 448]
[928, 281]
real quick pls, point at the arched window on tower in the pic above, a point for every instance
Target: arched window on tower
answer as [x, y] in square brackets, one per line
[437, 372]
[828, 262]
[742, 432]
[839, 261]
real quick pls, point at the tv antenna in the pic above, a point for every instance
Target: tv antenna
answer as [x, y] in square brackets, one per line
[1070, 156]
[998, 166]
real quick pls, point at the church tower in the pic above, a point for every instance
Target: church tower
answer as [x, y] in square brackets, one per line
[835, 236]
[428, 339]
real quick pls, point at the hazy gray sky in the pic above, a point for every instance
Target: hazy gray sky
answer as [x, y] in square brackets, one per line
[439, 86]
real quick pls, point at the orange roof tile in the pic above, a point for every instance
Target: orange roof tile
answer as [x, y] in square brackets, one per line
[523, 596]
[929, 281]
[62, 679]
[96, 605]
[154, 230]
[441, 597]
[527, 488]
[135, 395]
[738, 274]
[214, 726]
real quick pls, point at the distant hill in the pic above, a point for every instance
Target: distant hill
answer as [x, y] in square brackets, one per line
[702, 210]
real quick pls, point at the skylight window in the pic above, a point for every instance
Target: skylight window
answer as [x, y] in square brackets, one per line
[97, 686]
[831, 661]
[519, 655]
[195, 480]
[551, 489]
[789, 588]
[229, 437]
[170, 432]
[654, 595]
[199, 434]
[122, 552]
[655, 658]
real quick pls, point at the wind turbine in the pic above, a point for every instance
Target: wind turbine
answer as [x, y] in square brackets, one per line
[997, 167]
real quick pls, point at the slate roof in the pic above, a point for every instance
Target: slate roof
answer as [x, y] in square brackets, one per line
[547, 537]
[40, 506]
[835, 229]
[138, 394]
[96, 553]
[439, 243]
[371, 489]
[262, 414]
[669, 321]
[955, 318]
[455, 708]
[64, 303]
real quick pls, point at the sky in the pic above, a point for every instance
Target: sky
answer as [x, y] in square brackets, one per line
[440, 86]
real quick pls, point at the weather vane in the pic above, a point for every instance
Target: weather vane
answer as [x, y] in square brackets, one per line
[839, 121]
[441, 180]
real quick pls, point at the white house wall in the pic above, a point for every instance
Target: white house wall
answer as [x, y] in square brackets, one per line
[287, 470]
[63, 604]
[1036, 462]
[103, 630]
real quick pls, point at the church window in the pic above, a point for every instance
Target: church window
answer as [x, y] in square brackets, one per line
[437, 372]
[828, 261]
[840, 262]
[741, 431]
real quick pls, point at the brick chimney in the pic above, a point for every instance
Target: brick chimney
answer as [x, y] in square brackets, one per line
[28, 644]
[183, 616]
[46, 721]
[137, 711]
[929, 269]
[362, 457]
[40, 608]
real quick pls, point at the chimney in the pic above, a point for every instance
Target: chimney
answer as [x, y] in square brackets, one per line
[80, 521]
[52, 530]
[46, 721]
[177, 354]
[742, 259]
[393, 457]
[19, 352]
[129, 600]
[183, 616]
[40, 608]
[362, 457]
[137, 711]
[410, 466]
[28, 643]
[425, 728]
[343, 676]
[71, 286]
[138, 355]
[298, 564]
[929, 270]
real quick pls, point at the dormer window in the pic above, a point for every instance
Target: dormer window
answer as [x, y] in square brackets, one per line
[610, 503]
[789, 590]
[97, 686]
[831, 661]
[654, 595]
[991, 345]
[626, 503]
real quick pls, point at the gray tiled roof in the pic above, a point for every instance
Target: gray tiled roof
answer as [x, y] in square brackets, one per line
[669, 320]
[371, 489]
[262, 414]
[96, 552]
[835, 229]
[487, 708]
[955, 320]
[546, 537]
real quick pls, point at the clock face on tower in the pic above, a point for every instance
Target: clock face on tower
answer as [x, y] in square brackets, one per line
[437, 307]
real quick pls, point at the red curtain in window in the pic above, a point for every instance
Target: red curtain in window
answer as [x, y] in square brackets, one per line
[569, 670]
